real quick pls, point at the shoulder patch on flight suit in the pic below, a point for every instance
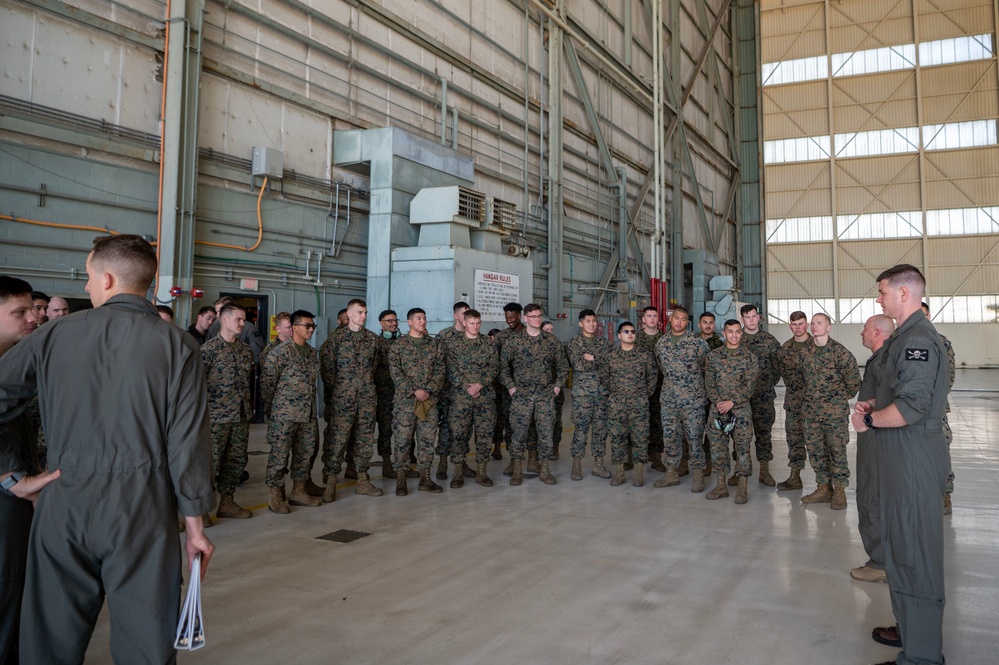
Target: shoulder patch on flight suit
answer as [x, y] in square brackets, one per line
[917, 354]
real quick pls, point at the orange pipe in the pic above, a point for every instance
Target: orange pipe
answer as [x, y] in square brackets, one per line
[56, 225]
[260, 228]
[159, 197]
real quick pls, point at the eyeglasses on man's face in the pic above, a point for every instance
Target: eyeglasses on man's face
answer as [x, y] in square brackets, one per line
[310, 326]
[628, 332]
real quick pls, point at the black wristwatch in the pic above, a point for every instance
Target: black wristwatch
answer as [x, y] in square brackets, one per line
[869, 421]
[7, 484]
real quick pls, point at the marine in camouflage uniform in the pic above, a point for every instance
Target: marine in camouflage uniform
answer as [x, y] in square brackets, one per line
[533, 366]
[471, 361]
[385, 394]
[765, 347]
[632, 379]
[589, 390]
[832, 378]
[681, 360]
[417, 363]
[714, 342]
[445, 435]
[347, 361]
[647, 343]
[288, 385]
[228, 367]
[790, 357]
[731, 375]
[503, 433]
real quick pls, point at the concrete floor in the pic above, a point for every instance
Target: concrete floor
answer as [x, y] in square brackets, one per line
[583, 572]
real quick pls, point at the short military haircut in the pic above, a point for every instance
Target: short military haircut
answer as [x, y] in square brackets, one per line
[12, 286]
[387, 312]
[627, 323]
[923, 304]
[650, 308]
[706, 315]
[494, 332]
[460, 305]
[533, 307]
[358, 302]
[223, 301]
[587, 312]
[207, 309]
[413, 312]
[231, 308]
[681, 308]
[746, 309]
[472, 314]
[797, 315]
[164, 309]
[38, 295]
[282, 316]
[732, 322]
[513, 307]
[300, 315]
[824, 316]
[128, 257]
[341, 312]
[904, 275]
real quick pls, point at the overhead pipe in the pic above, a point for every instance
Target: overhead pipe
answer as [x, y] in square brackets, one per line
[260, 228]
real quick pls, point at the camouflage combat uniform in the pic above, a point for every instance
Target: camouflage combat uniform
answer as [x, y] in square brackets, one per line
[385, 392]
[556, 421]
[681, 361]
[765, 347]
[472, 361]
[227, 370]
[831, 379]
[790, 357]
[288, 385]
[714, 342]
[731, 374]
[270, 347]
[534, 366]
[589, 393]
[347, 363]
[445, 437]
[417, 363]
[647, 343]
[632, 379]
[946, 424]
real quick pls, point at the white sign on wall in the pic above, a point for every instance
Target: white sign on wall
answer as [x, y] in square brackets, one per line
[493, 290]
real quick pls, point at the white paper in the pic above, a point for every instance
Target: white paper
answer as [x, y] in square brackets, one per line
[191, 627]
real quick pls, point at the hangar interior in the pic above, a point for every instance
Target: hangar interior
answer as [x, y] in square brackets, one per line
[601, 154]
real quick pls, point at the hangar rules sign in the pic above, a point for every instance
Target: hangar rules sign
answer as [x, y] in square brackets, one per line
[493, 290]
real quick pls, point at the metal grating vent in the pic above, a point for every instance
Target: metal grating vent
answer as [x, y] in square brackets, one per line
[504, 216]
[471, 205]
[343, 536]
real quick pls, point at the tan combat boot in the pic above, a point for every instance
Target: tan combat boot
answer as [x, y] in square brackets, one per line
[480, 475]
[387, 469]
[639, 479]
[765, 476]
[742, 493]
[401, 488]
[299, 497]
[618, 478]
[329, 494]
[442, 469]
[364, 486]
[669, 480]
[793, 481]
[427, 485]
[276, 502]
[546, 473]
[458, 478]
[838, 501]
[822, 494]
[697, 482]
[734, 480]
[719, 492]
[598, 468]
[656, 462]
[517, 474]
[532, 462]
[229, 508]
[577, 469]
[311, 488]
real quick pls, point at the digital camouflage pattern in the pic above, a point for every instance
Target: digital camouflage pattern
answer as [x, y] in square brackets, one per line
[632, 379]
[589, 393]
[681, 361]
[445, 437]
[347, 363]
[228, 367]
[472, 361]
[535, 366]
[948, 432]
[416, 364]
[647, 343]
[765, 347]
[731, 374]
[385, 395]
[714, 342]
[288, 386]
[832, 378]
[790, 358]
[503, 431]
[229, 454]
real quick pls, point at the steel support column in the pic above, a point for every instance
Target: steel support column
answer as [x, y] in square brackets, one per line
[556, 40]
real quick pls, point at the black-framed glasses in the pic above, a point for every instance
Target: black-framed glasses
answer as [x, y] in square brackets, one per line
[628, 332]
[310, 326]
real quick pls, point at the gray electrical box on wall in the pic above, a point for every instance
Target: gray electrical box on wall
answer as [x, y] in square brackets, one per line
[268, 162]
